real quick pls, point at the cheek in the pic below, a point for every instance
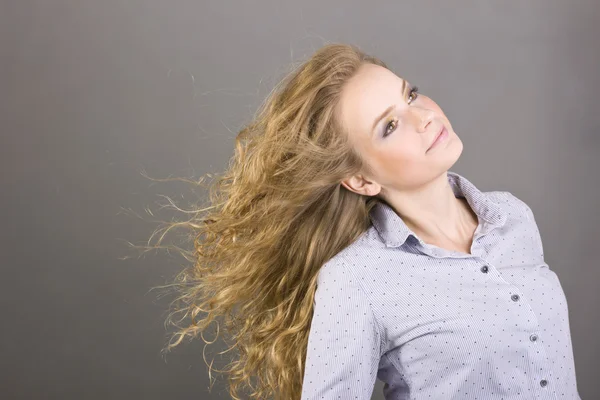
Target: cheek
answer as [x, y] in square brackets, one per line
[433, 106]
[403, 167]
[397, 157]
[426, 102]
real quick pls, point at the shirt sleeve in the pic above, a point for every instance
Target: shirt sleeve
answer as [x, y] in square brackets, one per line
[344, 341]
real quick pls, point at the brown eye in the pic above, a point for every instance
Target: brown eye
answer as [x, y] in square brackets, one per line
[391, 125]
[413, 94]
[387, 130]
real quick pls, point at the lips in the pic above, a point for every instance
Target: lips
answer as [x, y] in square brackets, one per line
[437, 136]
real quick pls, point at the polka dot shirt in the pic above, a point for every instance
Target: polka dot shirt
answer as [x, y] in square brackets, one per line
[432, 323]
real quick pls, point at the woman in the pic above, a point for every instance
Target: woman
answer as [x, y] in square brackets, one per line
[339, 248]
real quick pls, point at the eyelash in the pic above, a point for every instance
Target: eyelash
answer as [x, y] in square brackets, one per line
[415, 91]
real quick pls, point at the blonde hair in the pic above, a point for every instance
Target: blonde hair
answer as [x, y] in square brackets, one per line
[274, 218]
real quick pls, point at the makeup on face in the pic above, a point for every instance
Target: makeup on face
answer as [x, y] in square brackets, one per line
[442, 136]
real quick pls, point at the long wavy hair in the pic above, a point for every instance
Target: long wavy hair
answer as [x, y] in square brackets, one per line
[273, 218]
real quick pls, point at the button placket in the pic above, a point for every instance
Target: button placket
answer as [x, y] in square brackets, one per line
[532, 337]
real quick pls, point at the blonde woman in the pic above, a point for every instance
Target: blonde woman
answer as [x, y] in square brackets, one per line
[338, 248]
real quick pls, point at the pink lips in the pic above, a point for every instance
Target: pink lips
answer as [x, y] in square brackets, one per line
[439, 137]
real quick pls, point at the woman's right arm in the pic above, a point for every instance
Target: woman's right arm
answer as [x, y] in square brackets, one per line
[344, 341]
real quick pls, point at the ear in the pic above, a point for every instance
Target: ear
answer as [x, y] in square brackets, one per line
[358, 184]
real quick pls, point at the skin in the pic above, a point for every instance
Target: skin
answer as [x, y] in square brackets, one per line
[409, 177]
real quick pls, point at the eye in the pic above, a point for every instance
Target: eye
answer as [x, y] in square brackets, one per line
[414, 91]
[393, 123]
[412, 96]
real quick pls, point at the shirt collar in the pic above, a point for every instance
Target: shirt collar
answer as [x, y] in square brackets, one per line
[394, 231]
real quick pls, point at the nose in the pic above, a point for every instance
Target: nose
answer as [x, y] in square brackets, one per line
[422, 118]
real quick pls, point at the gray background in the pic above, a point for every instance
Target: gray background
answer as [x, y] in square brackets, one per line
[94, 91]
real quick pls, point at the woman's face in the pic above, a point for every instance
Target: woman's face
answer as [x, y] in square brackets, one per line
[397, 146]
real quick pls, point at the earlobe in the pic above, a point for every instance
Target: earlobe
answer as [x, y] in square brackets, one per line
[375, 190]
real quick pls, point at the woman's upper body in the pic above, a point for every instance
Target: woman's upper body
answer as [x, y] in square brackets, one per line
[434, 323]
[336, 249]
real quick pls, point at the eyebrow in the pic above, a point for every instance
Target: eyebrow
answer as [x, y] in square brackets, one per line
[387, 110]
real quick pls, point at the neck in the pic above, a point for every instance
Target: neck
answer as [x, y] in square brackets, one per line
[433, 212]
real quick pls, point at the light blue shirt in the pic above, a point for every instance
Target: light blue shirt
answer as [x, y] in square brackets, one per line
[434, 324]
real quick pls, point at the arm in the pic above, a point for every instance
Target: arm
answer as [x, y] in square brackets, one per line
[344, 341]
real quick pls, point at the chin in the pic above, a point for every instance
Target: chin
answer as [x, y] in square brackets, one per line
[450, 155]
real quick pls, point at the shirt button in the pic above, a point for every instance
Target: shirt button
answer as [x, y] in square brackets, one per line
[515, 297]
[533, 337]
[543, 382]
[484, 269]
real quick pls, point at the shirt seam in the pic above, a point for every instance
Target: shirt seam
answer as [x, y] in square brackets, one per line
[405, 377]
[382, 344]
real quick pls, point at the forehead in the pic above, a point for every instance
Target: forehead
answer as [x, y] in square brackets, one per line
[367, 95]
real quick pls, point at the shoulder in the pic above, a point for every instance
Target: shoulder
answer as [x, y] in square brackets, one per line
[336, 273]
[339, 292]
[511, 203]
[521, 215]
